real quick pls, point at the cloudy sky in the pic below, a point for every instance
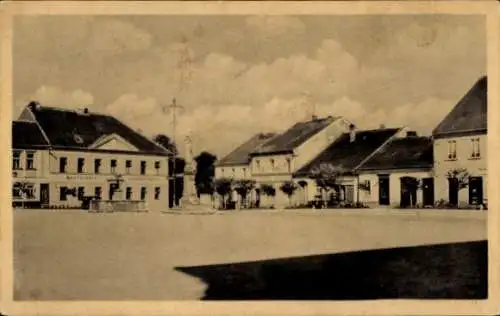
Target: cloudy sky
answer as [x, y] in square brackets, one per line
[239, 75]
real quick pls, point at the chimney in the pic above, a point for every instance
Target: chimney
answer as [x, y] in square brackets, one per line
[382, 126]
[352, 133]
[86, 110]
[411, 134]
[314, 117]
[34, 105]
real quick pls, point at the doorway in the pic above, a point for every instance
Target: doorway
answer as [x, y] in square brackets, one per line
[428, 191]
[453, 191]
[476, 190]
[44, 195]
[409, 186]
[383, 189]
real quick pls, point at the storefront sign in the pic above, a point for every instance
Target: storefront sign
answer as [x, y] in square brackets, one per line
[81, 177]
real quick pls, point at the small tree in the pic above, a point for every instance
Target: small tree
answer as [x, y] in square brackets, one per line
[223, 188]
[243, 187]
[268, 190]
[461, 176]
[325, 176]
[289, 188]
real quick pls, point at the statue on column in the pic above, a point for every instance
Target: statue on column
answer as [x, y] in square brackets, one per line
[190, 195]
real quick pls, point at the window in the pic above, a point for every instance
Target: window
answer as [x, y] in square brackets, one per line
[452, 150]
[143, 193]
[234, 172]
[81, 193]
[97, 165]
[143, 167]
[17, 190]
[128, 165]
[98, 192]
[63, 162]
[23, 190]
[80, 165]
[257, 164]
[157, 193]
[289, 164]
[128, 193]
[113, 165]
[16, 160]
[30, 160]
[62, 193]
[476, 152]
[272, 163]
[222, 171]
[157, 167]
[244, 172]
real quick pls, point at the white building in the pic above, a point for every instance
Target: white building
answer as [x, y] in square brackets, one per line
[67, 155]
[460, 142]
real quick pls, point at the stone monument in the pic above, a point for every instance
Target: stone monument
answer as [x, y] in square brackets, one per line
[189, 196]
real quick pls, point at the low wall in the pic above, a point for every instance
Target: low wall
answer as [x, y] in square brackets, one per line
[117, 206]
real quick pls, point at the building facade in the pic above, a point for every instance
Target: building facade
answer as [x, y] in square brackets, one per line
[399, 174]
[276, 161]
[78, 154]
[461, 150]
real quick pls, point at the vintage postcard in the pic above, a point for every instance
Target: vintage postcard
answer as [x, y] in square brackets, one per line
[249, 157]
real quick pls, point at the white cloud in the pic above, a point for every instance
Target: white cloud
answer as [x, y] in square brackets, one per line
[54, 96]
[94, 37]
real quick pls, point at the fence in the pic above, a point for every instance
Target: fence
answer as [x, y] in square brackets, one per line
[99, 206]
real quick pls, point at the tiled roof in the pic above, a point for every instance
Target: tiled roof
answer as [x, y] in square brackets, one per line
[402, 153]
[470, 113]
[346, 154]
[241, 155]
[27, 135]
[74, 129]
[294, 136]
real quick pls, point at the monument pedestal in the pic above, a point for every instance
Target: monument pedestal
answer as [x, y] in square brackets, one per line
[189, 197]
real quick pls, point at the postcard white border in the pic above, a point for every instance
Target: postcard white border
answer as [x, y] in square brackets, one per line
[380, 307]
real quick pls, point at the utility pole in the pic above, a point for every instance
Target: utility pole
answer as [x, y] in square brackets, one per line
[174, 106]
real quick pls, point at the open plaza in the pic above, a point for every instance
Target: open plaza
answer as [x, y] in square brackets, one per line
[62, 255]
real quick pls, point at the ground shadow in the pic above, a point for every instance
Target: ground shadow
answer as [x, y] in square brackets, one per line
[444, 271]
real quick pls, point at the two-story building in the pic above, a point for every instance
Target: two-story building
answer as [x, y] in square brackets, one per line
[236, 164]
[279, 158]
[460, 148]
[28, 144]
[81, 154]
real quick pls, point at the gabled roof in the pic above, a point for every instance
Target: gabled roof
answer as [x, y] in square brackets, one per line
[469, 115]
[412, 152]
[27, 135]
[348, 155]
[68, 129]
[294, 136]
[241, 155]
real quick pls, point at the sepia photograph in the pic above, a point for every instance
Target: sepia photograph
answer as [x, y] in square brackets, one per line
[249, 157]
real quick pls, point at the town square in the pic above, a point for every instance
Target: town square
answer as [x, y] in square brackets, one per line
[250, 157]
